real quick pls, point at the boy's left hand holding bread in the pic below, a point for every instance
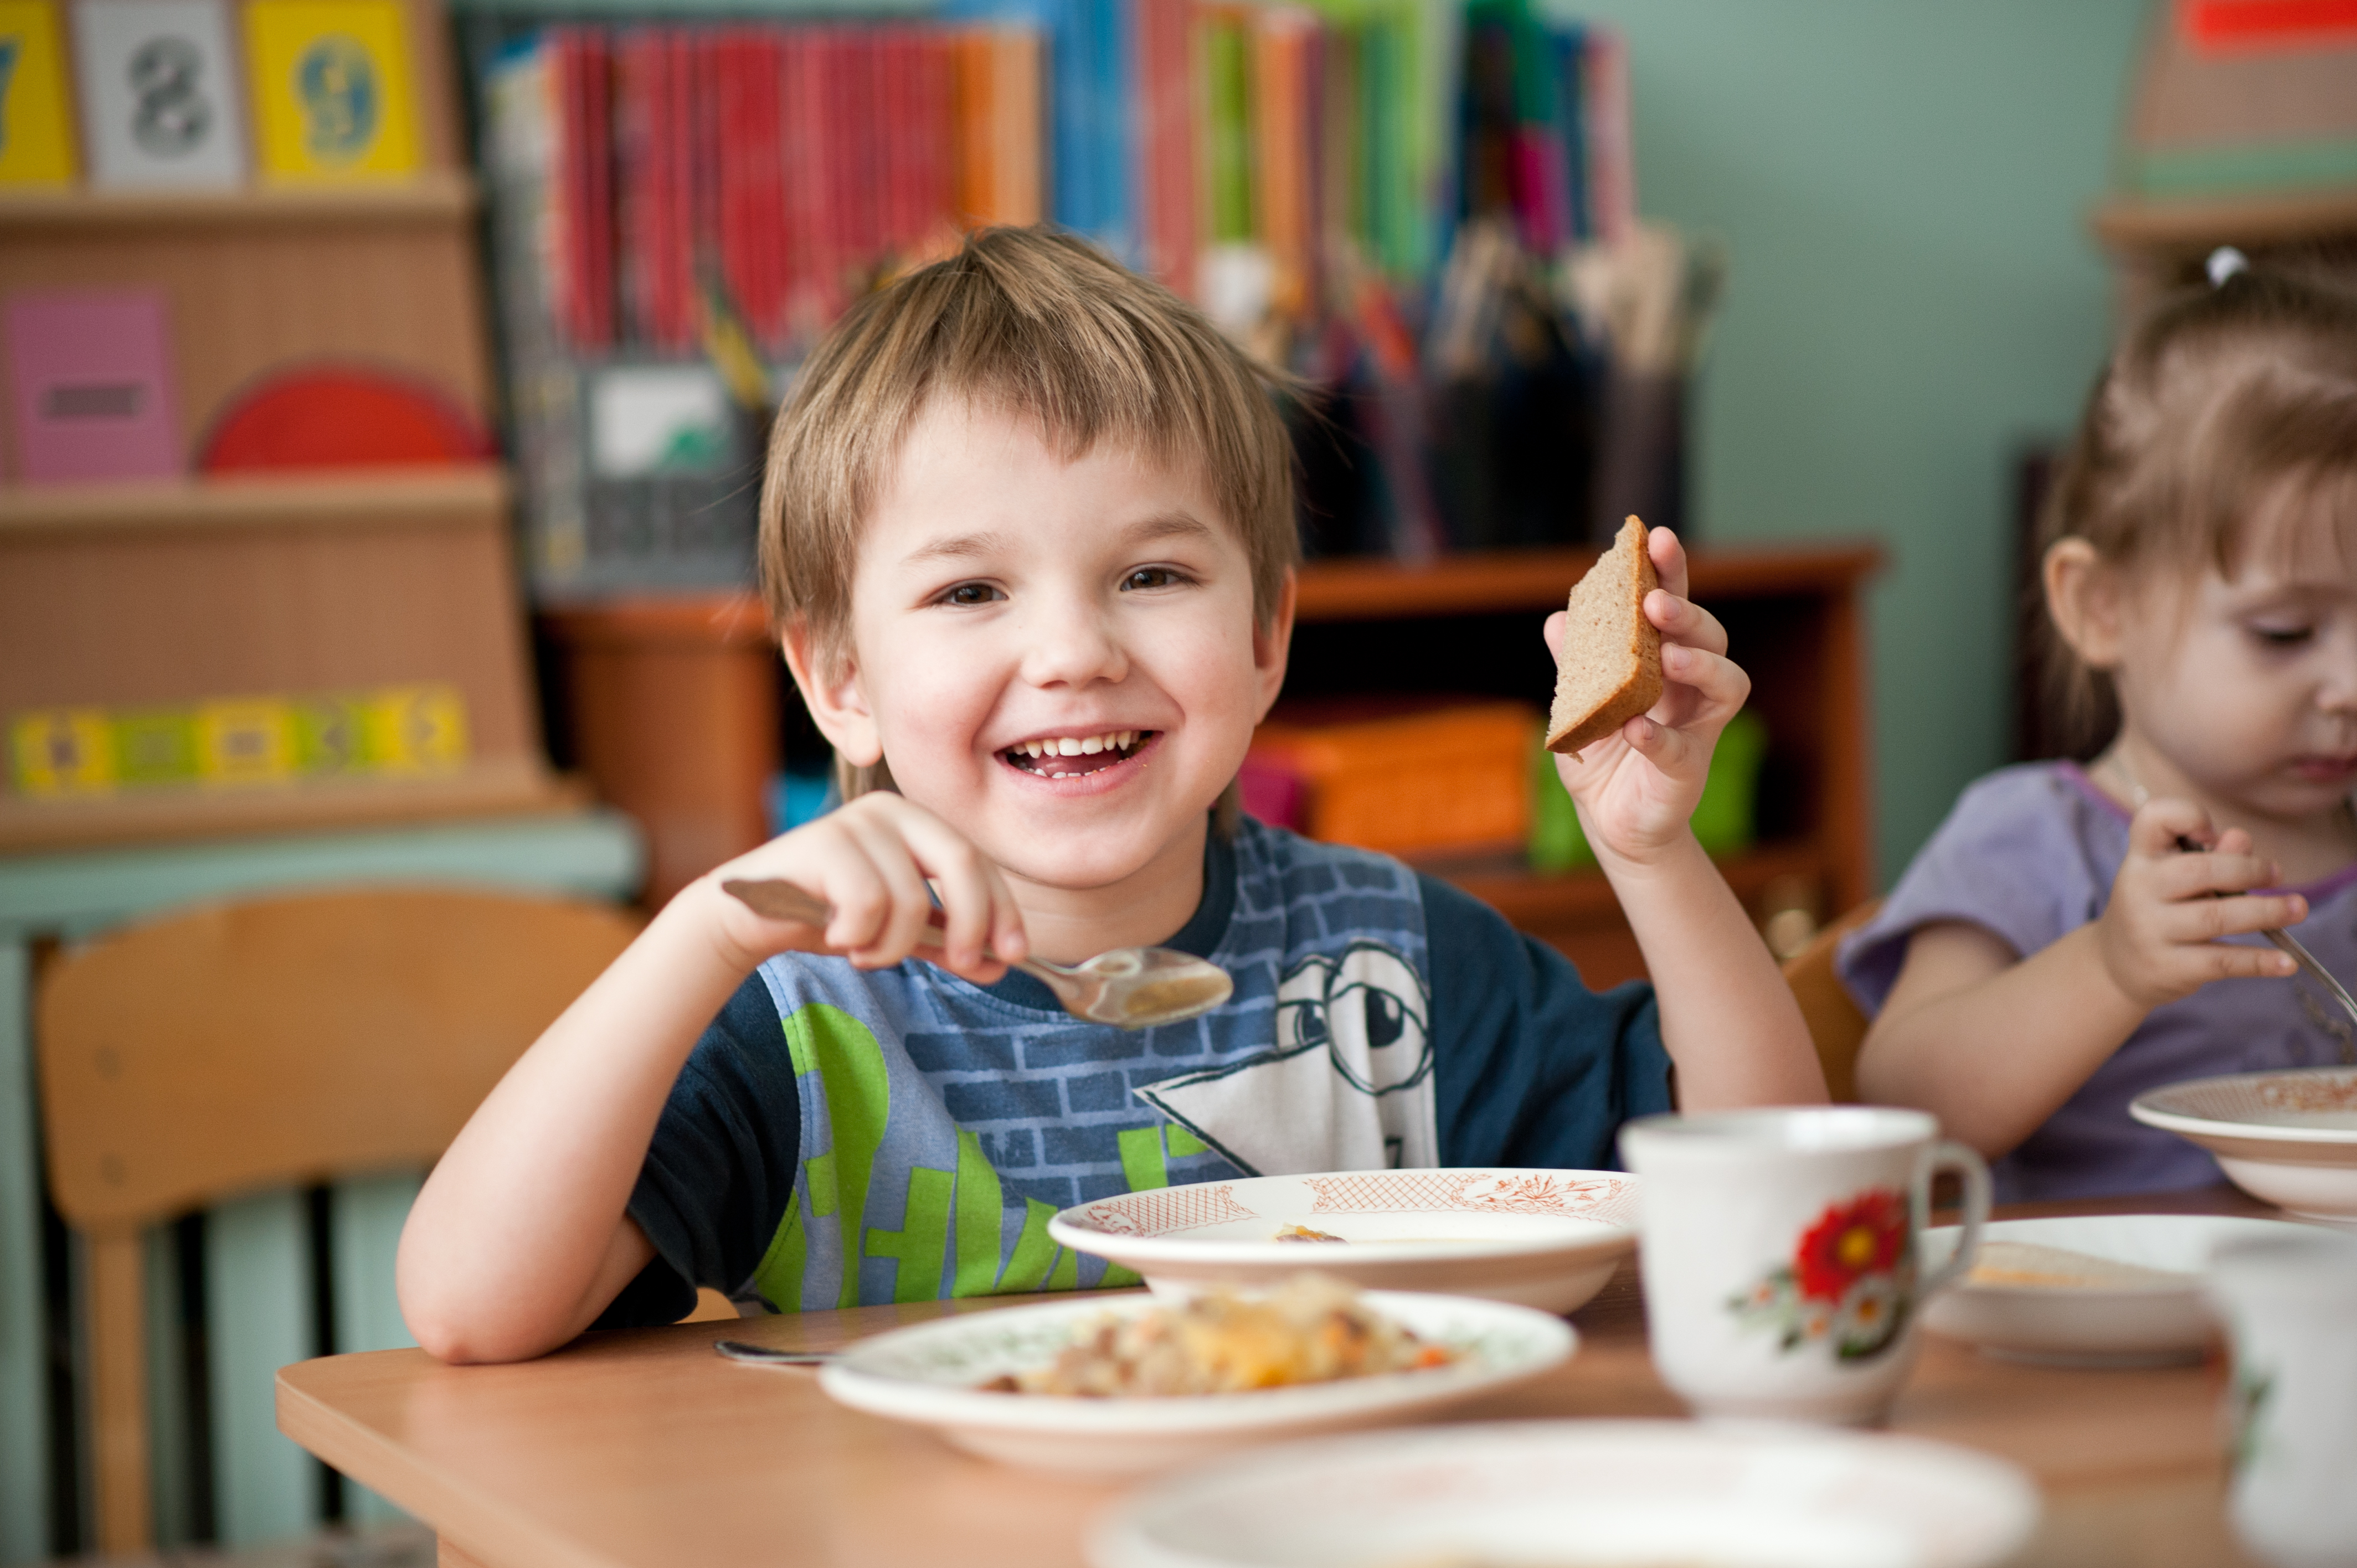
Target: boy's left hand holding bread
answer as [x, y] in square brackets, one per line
[1638, 787]
[1721, 994]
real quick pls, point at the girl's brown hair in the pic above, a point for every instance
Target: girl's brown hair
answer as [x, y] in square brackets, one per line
[2225, 400]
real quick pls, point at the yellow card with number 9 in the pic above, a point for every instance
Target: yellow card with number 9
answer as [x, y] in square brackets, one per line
[333, 95]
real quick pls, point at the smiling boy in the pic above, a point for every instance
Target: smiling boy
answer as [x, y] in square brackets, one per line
[1028, 539]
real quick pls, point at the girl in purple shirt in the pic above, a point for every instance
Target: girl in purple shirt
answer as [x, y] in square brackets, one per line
[2055, 950]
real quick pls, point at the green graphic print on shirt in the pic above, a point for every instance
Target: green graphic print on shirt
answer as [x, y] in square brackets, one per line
[965, 1204]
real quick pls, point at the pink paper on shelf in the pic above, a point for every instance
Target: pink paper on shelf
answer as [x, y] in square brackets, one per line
[90, 382]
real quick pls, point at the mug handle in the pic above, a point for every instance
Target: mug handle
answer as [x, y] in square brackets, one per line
[1949, 1156]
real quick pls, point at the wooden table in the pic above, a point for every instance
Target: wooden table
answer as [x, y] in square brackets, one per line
[642, 1448]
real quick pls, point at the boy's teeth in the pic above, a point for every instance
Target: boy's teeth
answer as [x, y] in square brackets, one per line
[1079, 746]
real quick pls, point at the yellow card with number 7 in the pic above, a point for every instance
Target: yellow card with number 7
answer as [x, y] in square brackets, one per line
[334, 96]
[36, 143]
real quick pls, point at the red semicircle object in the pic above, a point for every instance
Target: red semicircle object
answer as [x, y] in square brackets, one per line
[340, 417]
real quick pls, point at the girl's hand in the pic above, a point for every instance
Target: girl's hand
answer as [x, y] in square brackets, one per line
[871, 860]
[2158, 935]
[1636, 790]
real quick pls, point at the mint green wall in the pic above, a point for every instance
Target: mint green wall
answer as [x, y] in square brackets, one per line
[1902, 186]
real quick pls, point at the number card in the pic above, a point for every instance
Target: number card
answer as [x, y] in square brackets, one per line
[159, 98]
[36, 143]
[332, 91]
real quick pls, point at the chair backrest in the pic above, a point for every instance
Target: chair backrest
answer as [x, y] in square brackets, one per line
[1835, 1025]
[271, 1042]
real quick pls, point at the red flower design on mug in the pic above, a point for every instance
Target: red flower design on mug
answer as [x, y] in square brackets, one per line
[1849, 1240]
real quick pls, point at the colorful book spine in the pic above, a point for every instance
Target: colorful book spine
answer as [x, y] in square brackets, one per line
[656, 156]
[1168, 207]
[1227, 129]
[1612, 158]
[1285, 60]
[580, 195]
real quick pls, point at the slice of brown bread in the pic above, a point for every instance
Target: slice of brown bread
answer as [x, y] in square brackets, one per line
[1611, 666]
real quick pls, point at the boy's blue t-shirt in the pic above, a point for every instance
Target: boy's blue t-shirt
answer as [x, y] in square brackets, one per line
[926, 1128]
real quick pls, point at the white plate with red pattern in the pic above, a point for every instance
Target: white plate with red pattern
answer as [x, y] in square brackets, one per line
[1536, 1238]
[1583, 1492]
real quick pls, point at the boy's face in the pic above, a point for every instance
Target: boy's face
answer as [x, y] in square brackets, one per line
[1008, 607]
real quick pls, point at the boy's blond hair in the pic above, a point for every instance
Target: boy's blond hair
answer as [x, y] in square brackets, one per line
[1046, 327]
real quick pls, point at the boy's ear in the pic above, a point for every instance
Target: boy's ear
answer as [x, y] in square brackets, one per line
[2083, 596]
[1273, 645]
[830, 691]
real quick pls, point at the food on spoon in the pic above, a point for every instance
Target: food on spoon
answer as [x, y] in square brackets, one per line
[1610, 668]
[1311, 1330]
[1303, 1234]
[2027, 1264]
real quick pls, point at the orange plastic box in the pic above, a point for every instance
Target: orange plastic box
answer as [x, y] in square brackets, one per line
[1451, 778]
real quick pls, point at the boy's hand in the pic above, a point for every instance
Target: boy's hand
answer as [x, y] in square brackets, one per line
[1636, 790]
[2159, 935]
[871, 860]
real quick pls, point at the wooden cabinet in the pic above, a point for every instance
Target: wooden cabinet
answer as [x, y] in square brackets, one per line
[674, 708]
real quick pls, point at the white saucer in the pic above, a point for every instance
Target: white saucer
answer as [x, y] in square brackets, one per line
[2123, 1325]
[928, 1375]
[1536, 1237]
[1584, 1493]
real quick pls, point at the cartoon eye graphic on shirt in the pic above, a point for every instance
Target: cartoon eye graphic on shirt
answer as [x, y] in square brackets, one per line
[1367, 1008]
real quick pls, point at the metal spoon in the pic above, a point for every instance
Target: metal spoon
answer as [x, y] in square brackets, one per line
[2292, 945]
[1133, 988]
[741, 1350]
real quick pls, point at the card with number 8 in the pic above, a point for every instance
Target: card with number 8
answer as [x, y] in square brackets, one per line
[160, 99]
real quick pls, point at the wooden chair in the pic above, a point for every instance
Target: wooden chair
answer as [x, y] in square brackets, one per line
[1834, 1022]
[271, 1042]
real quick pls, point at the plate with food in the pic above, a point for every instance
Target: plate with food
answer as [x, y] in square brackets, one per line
[1123, 1385]
[1536, 1238]
[2104, 1289]
[1586, 1494]
[2288, 1138]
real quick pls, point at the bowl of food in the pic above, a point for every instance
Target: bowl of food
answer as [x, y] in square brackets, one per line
[2288, 1138]
[1534, 1238]
[1124, 1385]
[1586, 1494]
[2108, 1290]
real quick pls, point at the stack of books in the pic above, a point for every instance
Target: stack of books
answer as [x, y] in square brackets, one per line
[680, 209]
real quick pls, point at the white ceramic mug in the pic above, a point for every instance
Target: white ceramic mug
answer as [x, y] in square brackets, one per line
[1781, 1250]
[2290, 1307]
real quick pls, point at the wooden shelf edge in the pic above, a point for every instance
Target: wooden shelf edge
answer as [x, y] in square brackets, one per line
[2145, 223]
[509, 787]
[434, 195]
[1525, 895]
[1350, 588]
[444, 493]
[705, 621]
[1490, 581]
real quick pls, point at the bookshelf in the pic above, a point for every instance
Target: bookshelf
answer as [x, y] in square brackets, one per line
[673, 705]
[120, 598]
